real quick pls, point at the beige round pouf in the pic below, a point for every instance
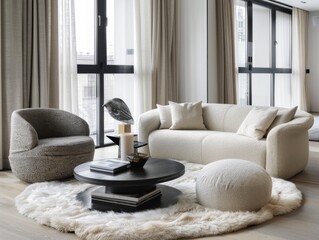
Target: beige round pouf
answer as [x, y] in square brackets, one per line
[233, 185]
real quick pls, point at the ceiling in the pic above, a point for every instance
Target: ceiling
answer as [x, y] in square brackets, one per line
[309, 5]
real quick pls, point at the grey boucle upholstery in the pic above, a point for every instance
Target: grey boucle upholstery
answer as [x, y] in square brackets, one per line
[46, 144]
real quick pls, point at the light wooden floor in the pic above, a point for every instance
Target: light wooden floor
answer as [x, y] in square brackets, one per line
[301, 224]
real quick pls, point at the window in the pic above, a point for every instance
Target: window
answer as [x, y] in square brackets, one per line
[263, 32]
[104, 38]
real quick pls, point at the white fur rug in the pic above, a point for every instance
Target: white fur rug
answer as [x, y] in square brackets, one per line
[54, 204]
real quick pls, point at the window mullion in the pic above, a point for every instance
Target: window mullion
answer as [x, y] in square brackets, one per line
[273, 38]
[273, 58]
[250, 34]
[250, 48]
[101, 59]
[101, 33]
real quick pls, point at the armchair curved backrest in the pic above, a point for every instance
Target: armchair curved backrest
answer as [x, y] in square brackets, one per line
[31, 124]
[49, 122]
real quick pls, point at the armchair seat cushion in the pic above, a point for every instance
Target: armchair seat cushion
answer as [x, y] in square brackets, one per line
[61, 146]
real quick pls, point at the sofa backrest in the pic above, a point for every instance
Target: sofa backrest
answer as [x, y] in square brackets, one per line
[228, 117]
[224, 117]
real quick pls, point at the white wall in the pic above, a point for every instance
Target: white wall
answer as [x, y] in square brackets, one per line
[313, 60]
[193, 42]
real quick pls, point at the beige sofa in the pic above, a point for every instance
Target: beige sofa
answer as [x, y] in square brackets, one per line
[283, 152]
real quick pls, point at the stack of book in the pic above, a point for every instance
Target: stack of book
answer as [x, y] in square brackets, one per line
[111, 166]
[130, 200]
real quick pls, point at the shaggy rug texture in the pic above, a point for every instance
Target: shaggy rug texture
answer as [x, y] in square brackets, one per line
[54, 204]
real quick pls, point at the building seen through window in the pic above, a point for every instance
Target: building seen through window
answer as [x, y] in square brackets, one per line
[105, 57]
[263, 40]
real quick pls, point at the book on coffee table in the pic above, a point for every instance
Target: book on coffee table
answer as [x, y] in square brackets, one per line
[124, 203]
[135, 199]
[109, 165]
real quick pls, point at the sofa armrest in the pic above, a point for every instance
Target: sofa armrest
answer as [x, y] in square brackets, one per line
[288, 147]
[23, 136]
[148, 122]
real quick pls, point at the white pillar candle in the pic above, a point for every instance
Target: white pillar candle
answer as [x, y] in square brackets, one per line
[126, 145]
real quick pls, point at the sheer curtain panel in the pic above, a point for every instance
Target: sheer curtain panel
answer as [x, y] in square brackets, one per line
[300, 95]
[143, 57]
[225, 10]
[29, 67]
[68, 88]
[283, 59]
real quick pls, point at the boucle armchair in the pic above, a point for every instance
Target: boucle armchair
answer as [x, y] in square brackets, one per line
[46, 144]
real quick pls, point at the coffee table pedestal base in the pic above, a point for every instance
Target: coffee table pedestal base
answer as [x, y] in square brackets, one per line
[169, 197]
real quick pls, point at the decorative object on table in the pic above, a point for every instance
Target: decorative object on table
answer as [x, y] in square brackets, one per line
[126, 145]
[186, 219]
[118, 110]
[112, 166]
[137, 160]
[123, 128]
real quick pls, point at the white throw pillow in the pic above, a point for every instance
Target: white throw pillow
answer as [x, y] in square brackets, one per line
[188, 116]
[257, 122]
[283, 116]
[165, 116]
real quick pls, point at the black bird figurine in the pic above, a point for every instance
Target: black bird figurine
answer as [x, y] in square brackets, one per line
[118, 109]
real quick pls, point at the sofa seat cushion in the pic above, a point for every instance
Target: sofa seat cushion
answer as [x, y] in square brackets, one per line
[230, 145]
[60, 146]
[177, 144]
[203, 146]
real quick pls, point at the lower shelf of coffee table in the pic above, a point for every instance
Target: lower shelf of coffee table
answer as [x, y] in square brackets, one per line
[169, 197]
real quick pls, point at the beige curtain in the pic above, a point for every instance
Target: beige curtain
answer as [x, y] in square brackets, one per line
[226, 51]
[1, 134]
[29, 64]
[39, 39]
[300, 95]
[11, 67]
[165, 37]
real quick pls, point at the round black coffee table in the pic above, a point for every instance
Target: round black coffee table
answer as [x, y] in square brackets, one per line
[132, 181]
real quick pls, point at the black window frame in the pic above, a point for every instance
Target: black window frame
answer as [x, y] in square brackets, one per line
[101, 67]
[250, 69]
